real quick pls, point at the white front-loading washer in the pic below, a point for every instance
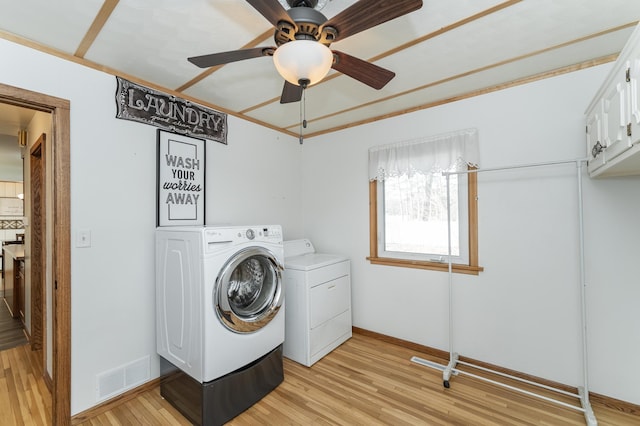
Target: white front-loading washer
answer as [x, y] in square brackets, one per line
[219, 317]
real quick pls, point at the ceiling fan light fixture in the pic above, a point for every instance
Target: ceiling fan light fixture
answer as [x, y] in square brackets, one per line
[303, 60]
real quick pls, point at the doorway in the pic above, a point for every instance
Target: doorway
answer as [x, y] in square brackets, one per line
[59, 245]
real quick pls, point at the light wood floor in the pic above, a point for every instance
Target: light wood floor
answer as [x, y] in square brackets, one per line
[24, 397]
[363, 382]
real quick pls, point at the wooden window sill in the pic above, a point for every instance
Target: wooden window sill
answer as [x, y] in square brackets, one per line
[420, 264]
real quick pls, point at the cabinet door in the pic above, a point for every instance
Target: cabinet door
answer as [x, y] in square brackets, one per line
[634, 96]
[595, 144]
[614, 119]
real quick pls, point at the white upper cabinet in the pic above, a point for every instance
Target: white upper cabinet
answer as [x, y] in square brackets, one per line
[634, 92]
[595, 144]
[613, 117]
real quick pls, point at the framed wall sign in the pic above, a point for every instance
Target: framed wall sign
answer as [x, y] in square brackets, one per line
[181, 179]
[144, 105]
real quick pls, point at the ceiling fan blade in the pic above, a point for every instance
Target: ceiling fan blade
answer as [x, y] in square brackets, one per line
[221, 58]
[366, 72]
[272, 10]
[290, 93]
[363, 15]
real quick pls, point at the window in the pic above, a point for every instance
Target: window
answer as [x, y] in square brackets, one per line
[409, 216]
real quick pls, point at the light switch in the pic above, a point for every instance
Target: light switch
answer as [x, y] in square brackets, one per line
[83, 238]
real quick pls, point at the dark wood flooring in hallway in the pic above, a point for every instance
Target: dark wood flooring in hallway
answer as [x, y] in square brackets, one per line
[11, 329]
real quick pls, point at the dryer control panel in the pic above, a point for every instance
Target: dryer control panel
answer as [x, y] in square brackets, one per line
[294, 248]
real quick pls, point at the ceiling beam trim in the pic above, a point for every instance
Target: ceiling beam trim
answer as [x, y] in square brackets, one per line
[447, 28]
[483, 91]
[475, 71]
[98, 23]
[71, 58]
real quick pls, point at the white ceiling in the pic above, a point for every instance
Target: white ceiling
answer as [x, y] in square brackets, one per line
[447, 50]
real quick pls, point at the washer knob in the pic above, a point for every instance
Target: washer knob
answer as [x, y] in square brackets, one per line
[250, 234]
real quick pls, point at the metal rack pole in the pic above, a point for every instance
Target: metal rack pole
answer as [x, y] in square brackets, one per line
[453, 357]
[450, 368]
[517, 166]
[584, 391]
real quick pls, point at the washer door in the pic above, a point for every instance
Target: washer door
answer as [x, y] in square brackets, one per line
[248, 290]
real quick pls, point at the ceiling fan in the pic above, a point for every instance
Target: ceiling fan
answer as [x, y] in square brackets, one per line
[309, 30]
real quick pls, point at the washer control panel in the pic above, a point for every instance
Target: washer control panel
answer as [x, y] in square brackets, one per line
[219, 235]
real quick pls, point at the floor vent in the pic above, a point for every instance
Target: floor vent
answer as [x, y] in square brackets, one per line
[118, 380]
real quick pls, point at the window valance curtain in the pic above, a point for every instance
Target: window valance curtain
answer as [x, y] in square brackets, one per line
[434, 154]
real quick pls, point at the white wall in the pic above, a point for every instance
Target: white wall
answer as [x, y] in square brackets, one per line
[10, 159]
[253, 180]
[10, 189]
[523, 311]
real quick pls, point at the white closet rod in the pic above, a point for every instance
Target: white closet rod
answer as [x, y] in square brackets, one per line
[449, 369]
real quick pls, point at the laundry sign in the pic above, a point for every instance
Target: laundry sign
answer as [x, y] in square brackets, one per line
[138, 103]
[181, 178]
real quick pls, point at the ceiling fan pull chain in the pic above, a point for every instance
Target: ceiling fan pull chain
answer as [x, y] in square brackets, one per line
[304, 108]
[302, 120]
[304, 83]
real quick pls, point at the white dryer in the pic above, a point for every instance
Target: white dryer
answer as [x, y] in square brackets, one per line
[318, 288]
[219, 317]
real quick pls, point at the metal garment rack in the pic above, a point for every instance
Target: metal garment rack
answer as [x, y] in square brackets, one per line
[450, 369]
